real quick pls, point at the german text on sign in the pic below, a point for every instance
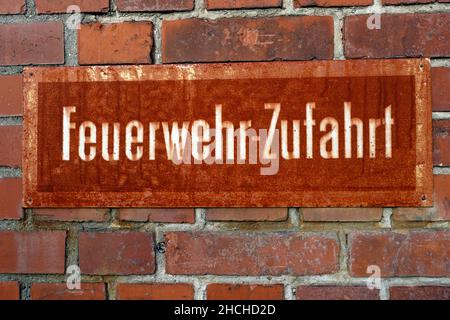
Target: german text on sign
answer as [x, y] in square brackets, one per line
[334, 133]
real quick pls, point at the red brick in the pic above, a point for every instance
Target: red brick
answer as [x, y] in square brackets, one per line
[32, 252]
[247, 214]
[247, 39]
[155, 5]
[441, 88]
[410, 253]
[441, 142]
[9, 290]
[158, 215]
[84, 214]
[10, 198]
[219, 291]
[11, 146]
[331, 3]
[400, 35]
[242, 4]
[59, 291]
[32, 43]
[116, 253]
[336, 293]
[11, 95]
[395, 2]
[12, 6]
[154, 291]
[61, 6]
[251, 254]
[420, 293]
[115, 43]
[441, 209]
[342, 214]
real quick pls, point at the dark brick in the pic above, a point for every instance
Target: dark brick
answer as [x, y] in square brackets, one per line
[336, 293]
[11, 95]
[158, 215]
[420, 293]
[120, 43]
[10, 198]
[59, 291]
[222, 291]
[155, 5]
[242, 4]
[32, 252]
[244, 39]
[11, 146]
[410, 253]
[32, 43]
[247, 214]
[116, 253]
[154, 291]
[441, 88]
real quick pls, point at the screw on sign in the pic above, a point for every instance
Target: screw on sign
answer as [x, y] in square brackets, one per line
[317, 134]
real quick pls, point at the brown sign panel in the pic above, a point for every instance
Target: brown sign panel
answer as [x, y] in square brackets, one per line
[307, 134]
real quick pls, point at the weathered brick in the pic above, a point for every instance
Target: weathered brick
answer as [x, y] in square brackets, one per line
[62, 6]
[251, 254]
[116, 253]
[440, 210]
[400, 35]
[84, 214]
[32, 252]
[9, 290]
[10, 198]
[410, 253]
[420, 293]
[342, 214]
[158, 215]
[11, 146]
[154, 291]
[336, 293]
[32, 43]
[11, 95]
[220, 291]
[247, 39]
[441, 88]
[242, 4]
[115, 43]
[331, 3]
[247, 214]
[396, 2]
[441, 142]
[59, 291]
[12, 6]
[155, 5]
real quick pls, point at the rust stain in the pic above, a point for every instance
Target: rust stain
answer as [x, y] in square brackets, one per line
[289, 134]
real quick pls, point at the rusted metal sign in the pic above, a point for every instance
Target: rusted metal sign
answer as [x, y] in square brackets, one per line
[311, 134]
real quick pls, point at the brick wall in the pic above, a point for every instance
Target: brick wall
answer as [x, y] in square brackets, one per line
[284, 253]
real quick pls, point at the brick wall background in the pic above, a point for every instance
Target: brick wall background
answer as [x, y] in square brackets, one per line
[285, 253]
